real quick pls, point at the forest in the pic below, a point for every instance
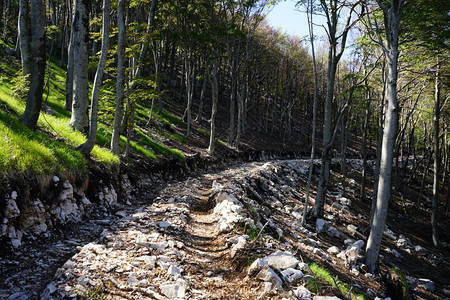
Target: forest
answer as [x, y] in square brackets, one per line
[91, 90]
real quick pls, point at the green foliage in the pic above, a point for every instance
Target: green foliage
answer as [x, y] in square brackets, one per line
[253, 232]
[92, 294]
[20, 86]
[326, 277]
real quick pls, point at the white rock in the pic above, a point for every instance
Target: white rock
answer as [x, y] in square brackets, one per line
[268, 287]
[352, 255]
[322, 225]
[14, 195]
[164, 224]
[239, 243]
[426, 284]
[345, 201]
[55, 179]
[302, 293]
[303, 266]
[291, 274]
[268, 275]
[326, 298]
[150, 261]
[281, 260]
[176, 290]
[333, 250]
[121, 213]
[352, 228]
[132, 280]
[86, 201]
[12, 211]
[173, 270]
[256, 266]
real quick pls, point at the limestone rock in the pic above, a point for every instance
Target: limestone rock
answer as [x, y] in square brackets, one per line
[174, 290]
[426, 284]
[33, 217]
[291, 274]
[322, 225]
[333, 250]
[268, 275]
[281, 260]
[302, 293]
[11, 211]
[238, 242]
[256, 266]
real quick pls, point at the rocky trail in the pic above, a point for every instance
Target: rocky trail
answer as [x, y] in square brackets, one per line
[232, 234]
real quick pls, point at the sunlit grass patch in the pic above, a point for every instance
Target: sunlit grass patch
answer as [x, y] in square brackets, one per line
[325, 275]
[158, 148]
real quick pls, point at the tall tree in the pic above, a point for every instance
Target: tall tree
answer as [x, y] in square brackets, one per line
[86, 147]
[120, 83]
[24, 36]
[34, 101]
[80, 119]
[332, 10]
[391, 13]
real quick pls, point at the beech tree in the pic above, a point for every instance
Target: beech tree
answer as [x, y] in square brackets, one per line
[79, 119]
[37, 72]
[86, 147]
[392, 15]
[332, 10]
[120, 82]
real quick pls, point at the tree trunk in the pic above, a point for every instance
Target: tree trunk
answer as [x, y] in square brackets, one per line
[24, 36]
[314, 113]
[86, 148]
[327, 132]
[202, 97]
[70, 65]
[436, 118]
[215, 99]
[190, 83]
[34, 101]
[80, 119]
[120, 84]
[392, 25]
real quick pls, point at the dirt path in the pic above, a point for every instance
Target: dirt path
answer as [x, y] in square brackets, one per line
[194, 239]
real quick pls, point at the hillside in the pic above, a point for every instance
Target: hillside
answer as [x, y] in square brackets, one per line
[172, 220]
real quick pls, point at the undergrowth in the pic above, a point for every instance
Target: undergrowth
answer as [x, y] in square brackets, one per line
[323, 275]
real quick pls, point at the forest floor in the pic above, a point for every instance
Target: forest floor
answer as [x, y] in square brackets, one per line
[197, 237]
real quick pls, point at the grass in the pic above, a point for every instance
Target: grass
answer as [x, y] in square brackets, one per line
[50, 148]
[158, 148]
[325, 276]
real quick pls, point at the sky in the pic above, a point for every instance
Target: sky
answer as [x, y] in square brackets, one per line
[288, 19]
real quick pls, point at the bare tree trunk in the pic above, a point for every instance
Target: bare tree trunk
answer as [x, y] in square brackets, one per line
[120, 84]
[86, 148]
[202, 96]
[24, 36]
[34, 101]
[314, 116]
[436, 117]
[215, 99]
[392, 24]
[70, 65]
[364, 145]
[190, 83]
[80, 119]
[333, 9]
